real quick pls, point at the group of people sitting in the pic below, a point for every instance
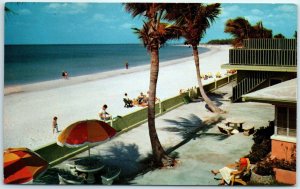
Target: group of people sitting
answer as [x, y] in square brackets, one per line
[141, 100]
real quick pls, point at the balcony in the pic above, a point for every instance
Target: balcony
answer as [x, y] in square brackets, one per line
[270, 44]
[263, 57]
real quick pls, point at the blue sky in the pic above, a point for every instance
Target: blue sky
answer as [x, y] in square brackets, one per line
[106, 23]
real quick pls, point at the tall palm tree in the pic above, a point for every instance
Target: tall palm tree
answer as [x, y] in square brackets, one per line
[153, 35]
[193, 20]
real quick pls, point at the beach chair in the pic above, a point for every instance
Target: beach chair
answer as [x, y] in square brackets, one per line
[127, 103]
[218, 75]
[202, 75]
[209, 75]
[242, 177]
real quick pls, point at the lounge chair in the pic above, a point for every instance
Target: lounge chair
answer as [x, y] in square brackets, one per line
[242, 177]
[218, 75]
[112, 173]
[128, 103]
[209, 75]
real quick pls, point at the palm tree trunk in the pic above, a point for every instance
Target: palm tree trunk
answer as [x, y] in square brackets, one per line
[158, 151]
[210, 104]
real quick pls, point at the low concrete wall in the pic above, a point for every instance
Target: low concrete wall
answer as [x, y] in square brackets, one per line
[285, 176]
[55, 154]
[283, 150]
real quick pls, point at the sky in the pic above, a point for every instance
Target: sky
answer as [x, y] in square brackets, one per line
[109, 23]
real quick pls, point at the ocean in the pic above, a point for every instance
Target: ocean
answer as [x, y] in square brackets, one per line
[24, 64]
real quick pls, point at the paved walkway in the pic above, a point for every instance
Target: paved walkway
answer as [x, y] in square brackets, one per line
[190, 132]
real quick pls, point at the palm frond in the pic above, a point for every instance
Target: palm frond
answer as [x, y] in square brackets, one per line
[193, 19]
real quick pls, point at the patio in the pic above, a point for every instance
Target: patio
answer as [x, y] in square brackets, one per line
[189, 133]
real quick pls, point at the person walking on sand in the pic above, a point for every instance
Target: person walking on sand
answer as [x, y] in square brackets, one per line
[64, 74]
[103, 114]
[126, 65]
[54, 124]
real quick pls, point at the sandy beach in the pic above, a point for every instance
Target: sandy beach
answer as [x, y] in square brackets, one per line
[29, 109]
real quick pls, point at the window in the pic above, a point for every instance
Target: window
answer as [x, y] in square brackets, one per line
[286, 121]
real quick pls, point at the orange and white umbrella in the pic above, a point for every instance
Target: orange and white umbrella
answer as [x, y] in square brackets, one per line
[85, 132]
[22, 165]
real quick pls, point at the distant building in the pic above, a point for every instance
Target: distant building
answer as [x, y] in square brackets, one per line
[262, 63]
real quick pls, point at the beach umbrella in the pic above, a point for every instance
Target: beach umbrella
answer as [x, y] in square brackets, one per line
[85, 132]
[21, 165]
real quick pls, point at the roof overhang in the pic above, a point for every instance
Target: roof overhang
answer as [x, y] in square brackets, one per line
[259, 68]
[277, 101]
[283, 93]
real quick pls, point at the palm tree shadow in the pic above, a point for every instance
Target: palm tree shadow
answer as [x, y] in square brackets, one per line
[192, 128]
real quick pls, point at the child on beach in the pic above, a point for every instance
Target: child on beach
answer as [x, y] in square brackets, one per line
[54, 124]
[103, 114]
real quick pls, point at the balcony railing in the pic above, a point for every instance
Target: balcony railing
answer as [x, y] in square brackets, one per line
[270, 44]
[248, 84]
[261, 57]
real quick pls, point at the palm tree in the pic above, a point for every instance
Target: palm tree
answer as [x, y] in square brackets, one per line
[193, 20]
[239, 28]
[259, 31]
[153, 35]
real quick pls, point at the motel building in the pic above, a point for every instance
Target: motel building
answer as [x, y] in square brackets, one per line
[267, 73]
[284, 98]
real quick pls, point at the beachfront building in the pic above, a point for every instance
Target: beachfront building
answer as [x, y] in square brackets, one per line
[262, 63]
[283, 97]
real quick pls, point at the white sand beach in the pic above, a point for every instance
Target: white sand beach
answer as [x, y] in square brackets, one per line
[29, 109]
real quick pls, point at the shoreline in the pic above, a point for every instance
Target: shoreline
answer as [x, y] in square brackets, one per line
[44, 85]
[29, 109]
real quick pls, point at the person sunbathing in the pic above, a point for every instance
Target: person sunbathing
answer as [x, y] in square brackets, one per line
[231, 169]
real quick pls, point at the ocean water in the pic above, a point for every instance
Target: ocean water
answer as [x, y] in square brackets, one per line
[25, 64]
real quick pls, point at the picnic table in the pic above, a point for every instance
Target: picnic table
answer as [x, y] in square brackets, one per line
[235, 123]
[89, 166]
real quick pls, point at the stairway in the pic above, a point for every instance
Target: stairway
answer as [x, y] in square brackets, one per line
[248, 84]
